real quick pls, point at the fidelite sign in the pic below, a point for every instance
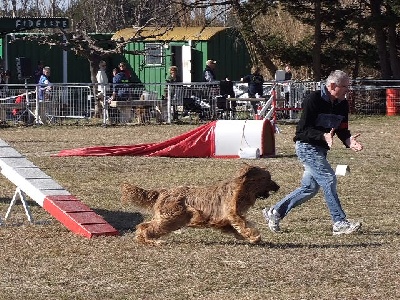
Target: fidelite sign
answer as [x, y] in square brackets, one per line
[25, 23]
[19, 24]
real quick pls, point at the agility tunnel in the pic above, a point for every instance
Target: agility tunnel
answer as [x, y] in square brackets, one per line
[244, 138]
[50, 195]
[217, 139]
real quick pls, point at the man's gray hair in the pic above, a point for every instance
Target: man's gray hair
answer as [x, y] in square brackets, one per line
[337, 77]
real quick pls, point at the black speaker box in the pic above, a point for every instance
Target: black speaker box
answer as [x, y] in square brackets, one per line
[24, 67]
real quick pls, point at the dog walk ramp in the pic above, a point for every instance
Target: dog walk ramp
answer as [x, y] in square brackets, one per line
[41, 188]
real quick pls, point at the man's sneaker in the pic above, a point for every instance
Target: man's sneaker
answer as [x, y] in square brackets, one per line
[273, 218]
[345, 227]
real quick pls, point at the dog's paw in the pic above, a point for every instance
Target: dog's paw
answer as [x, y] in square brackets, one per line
[255, 239]
[254, 235]
[180, 230]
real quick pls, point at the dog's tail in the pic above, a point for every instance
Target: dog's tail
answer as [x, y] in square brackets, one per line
[133, 194]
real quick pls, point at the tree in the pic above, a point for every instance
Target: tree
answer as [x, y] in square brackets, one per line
[354, 35]
[245, 15]
[385, 19]
[342, 36]
[96, 16]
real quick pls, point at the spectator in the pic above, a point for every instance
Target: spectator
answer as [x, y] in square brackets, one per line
[44, 84]
[288, 73]
[102, 80]
[127, 73]
[173, 77]
[325, 113]
[288, 76]
[209, 71]
[120, 91]
[44, 94]
[255, 85]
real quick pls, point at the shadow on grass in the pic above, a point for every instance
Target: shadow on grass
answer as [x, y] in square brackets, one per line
[121, 220]
[269, 245]
[127, 221]
[317, 246]
[285, 156]
[381, 233]
[5, 200]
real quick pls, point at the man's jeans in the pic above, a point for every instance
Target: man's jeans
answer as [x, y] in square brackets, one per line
[317, 173]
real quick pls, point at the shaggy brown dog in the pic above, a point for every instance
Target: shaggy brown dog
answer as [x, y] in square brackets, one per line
[222, 206]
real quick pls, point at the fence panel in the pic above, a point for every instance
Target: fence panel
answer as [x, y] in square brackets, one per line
[67, 102]
[188, 101]
[17, 103]
[134, 104]
[177, 102]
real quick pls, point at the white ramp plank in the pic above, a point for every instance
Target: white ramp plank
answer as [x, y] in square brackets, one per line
[50, 195]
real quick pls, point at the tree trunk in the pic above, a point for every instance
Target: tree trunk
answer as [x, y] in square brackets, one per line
[393, 46]
[380, 38]
[317, 42]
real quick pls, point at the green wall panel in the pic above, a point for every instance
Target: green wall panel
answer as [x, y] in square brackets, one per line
[226, 47]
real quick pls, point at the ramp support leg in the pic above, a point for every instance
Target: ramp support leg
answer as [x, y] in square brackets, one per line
[21, 195]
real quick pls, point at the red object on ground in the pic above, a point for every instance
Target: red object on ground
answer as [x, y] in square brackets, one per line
[217, 139]
[198, 142]
[19, 99]
[77, 217]
[392, 102]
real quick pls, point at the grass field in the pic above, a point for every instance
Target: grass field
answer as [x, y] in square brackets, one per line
[46, 261]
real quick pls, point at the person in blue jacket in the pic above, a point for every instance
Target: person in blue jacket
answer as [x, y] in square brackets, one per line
[44, 84]
[120, 86]
[44, 90]
[324, 115]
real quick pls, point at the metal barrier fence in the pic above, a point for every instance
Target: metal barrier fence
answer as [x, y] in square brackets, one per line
[21, 103]
[178, 102]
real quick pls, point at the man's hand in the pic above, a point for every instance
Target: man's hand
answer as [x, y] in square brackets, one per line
[329, 137]
[353, 143]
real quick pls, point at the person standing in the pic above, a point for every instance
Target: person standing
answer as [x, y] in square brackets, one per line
[255, 85]
[286, 87]
[209, 71]
[44, 94]
[288, 73]
[102, 80]
[325, 114]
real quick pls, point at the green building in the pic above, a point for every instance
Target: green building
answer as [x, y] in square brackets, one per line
[188, 48]
[155, 50]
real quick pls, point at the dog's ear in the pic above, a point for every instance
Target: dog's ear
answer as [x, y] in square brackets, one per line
[253, 172]
[245, 169]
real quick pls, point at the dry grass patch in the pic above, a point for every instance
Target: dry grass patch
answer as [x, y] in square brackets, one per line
[46, 261]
